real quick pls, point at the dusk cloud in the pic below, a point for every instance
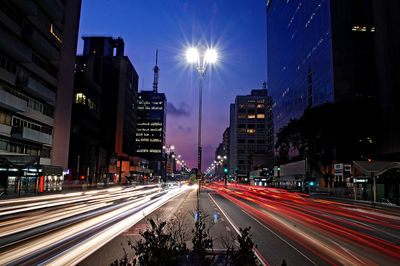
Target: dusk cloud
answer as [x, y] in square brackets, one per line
[182, 110]
[185, 129]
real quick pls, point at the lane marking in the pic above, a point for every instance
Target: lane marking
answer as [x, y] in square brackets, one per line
[263, 225]
[260, 257]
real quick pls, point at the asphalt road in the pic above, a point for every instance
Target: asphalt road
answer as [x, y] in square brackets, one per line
[303, 231]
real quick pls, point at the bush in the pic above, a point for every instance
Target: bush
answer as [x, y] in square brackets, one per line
[244, 255]
[201, 241]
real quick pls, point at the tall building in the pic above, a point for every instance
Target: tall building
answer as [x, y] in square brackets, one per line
[250, 132]
[151, 125]
[104, 115]
[340, 51]
[150, 133]
[343, 52]
[37, 56]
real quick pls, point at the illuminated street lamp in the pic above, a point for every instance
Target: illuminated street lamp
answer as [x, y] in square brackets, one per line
[210, 56]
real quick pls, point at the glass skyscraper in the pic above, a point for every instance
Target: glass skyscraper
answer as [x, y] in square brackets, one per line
[300, 63]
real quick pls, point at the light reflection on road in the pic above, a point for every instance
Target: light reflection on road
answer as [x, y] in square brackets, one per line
[97, 217]
[338, 233]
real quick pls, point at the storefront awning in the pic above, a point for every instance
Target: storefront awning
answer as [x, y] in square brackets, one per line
[18, 161]
[375, 167]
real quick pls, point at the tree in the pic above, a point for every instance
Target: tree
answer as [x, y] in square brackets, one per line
[244, 255]
[326, 133]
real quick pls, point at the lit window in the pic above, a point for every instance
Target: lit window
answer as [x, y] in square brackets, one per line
[156, 123]
[55, 33]
[241, 106]
[143, 150]
[260, 116]
[91, 104]
[260, 105]
[80, 98]
[373, 29]
[155, 151]
[144, 140]
[359, 28]
[251, 116]
[251, 131]
[241, 116]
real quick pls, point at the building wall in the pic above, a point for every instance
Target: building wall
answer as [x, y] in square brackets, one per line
[110, 81]
[340, 51]
[37, 47]
[299, 50]
[151, 126]
[387, 42]
[250, 127]
[62, 115]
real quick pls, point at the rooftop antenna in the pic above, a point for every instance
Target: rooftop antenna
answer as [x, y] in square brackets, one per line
[156, 69]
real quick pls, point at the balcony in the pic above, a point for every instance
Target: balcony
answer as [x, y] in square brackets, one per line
[39, 43]
[13, 47]
[41, 73]
[11, 102]
[31, 135]
[7, 76]
[38, 116]
[5, 130]
[27, 7]
[32, 86]
[53, 8]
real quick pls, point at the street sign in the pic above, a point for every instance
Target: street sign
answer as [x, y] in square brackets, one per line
[360, 180]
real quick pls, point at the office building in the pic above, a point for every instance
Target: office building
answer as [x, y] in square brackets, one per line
[342, 52]
[37, 56]
[105, 101]
[150, 133]
[251, 132]
[336, 51]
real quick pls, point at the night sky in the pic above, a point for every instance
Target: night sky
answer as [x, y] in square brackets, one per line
[236, 28]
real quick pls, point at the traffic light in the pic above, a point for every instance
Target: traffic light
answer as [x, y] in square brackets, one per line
[312, 183]
[225, 170]
[279, 168]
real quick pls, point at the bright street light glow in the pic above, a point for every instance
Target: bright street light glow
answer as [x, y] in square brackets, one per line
[192, 55]
[211, 56]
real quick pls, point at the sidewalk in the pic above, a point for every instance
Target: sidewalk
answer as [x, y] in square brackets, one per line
[366, 203]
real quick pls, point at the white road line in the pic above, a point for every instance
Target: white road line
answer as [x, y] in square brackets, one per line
[263, 225]
[263, 261]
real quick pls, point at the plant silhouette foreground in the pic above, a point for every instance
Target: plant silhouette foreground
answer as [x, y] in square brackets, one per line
[164, 243]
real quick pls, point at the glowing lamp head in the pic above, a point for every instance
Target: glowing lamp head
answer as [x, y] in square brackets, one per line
[211, 56]
[192, 55]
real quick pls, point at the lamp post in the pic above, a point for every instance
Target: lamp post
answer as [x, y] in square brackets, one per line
[208, 57]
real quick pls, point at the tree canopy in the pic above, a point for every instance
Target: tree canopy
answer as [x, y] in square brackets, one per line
[327, 133]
